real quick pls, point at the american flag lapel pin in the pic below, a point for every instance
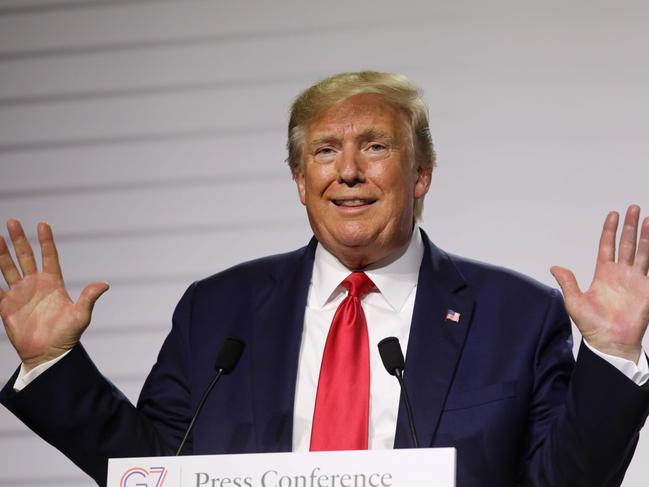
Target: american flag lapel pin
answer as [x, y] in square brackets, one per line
[452, 315]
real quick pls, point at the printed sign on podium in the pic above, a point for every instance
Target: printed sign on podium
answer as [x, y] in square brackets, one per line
[430, 467]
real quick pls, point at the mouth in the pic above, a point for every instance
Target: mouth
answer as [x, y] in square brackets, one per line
[353, 202]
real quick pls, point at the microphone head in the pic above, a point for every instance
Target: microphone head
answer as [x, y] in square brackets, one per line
[230, 354]
[391, 355]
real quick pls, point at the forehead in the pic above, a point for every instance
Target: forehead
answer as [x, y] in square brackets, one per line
[358, 113]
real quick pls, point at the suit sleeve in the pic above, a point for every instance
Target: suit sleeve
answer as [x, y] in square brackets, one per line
[584, 425]
[77, 410]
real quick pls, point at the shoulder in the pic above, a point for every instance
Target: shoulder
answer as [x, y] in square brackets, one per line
[491, 284]
[510, 307]
[481, 274]
[244, 285]
[260, 271]
[511, 299]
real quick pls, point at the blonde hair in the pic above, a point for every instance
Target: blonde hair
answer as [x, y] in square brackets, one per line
[394, 88]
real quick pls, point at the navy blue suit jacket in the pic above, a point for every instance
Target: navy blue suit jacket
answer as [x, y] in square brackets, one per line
[501, 385]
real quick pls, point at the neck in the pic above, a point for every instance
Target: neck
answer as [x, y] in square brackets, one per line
[361, 260]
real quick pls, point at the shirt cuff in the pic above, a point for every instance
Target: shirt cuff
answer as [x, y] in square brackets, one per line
[25, 378]
[638, 373]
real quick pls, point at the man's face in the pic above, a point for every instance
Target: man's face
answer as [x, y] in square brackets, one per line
[357, 180]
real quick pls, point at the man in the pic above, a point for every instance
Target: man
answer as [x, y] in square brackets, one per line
[489, 362]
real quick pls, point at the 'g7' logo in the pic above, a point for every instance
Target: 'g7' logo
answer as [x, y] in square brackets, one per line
[140, 477]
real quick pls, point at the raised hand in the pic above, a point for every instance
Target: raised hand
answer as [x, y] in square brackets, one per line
[40, 319]
[612, 315]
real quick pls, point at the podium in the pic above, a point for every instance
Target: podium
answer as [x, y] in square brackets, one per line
[422, 467]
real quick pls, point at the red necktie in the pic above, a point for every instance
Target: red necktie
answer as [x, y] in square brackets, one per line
[340, 418]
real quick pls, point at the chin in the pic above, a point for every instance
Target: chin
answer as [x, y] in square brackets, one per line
[356, 242]
[355, 234]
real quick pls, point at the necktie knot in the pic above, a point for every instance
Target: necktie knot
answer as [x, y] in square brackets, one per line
[358, 284]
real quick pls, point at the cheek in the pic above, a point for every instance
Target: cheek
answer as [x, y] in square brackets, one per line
[398, 186]
[318, 180]
[400, 197]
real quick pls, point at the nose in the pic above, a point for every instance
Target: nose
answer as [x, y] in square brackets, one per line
[350, 167]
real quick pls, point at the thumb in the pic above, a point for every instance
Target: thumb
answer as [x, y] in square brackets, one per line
[567, 282]
[89, 296]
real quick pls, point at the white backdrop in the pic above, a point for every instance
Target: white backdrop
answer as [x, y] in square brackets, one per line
[150, 134]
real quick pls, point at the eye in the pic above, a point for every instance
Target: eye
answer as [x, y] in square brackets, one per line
[376, 150]
[324, 154]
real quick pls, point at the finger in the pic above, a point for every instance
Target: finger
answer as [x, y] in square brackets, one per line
[23, 250]
[567, 282]
[89, 297]
[606, 251]
[7, 266]
[629, 235]
[2, 294]
[642, 257]
[49, 253]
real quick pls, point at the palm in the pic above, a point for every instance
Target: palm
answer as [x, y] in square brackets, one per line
[614, 312]
[615, 305]
[39, 312]
[41, 320]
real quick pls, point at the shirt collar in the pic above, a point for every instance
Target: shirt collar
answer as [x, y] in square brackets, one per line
[395, 277]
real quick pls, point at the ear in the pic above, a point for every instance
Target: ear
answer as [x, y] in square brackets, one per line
[298, 177]
[422, 183]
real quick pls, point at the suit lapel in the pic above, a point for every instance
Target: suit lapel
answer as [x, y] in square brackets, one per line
[434, 345]
[278, 321]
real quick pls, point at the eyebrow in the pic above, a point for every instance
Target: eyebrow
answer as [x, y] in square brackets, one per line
[365, 135]
[322, 140]
[375, 134]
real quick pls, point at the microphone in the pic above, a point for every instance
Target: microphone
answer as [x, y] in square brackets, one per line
[226, 361]
[392, 357]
